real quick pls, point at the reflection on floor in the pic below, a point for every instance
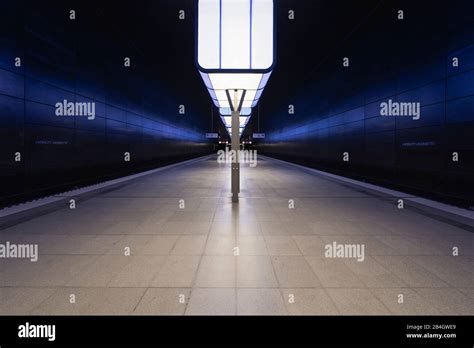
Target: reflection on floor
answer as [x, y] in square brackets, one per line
[193, 252]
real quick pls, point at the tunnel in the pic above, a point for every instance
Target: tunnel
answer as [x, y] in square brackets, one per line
[341, 184]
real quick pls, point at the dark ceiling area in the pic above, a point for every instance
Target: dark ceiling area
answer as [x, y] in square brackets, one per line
[152, 33]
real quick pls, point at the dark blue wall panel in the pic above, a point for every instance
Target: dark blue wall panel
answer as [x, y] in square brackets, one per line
[81, 62]
[338, 109]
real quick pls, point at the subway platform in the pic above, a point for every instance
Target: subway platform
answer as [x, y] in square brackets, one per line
[172, 243]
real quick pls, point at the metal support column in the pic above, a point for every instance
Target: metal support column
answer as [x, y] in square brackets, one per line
[235, 146]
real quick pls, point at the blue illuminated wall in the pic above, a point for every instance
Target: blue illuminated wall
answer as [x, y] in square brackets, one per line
[337, 109]
[81, 61]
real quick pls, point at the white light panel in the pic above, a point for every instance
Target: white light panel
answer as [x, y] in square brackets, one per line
[235, 34]
[235, 50]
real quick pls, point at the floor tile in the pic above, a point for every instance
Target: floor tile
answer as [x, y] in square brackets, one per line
[163, 301]
[357, 302]
[294, 272]
[260, 302]
[212, 302]
[308, 302]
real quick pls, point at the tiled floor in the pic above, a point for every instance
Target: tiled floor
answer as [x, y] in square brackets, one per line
[135, 250]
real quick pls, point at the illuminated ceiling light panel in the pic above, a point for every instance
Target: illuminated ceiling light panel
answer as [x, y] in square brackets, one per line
[235, 49]
[228, 111]
[227, 120]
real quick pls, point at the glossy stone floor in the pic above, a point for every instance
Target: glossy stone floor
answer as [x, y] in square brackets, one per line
[258, 257]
